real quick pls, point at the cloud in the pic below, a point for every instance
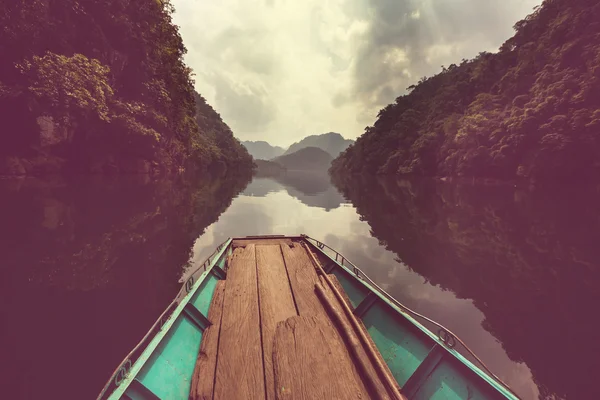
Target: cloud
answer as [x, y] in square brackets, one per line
[240, 67]
[245, 104]
[409, 39]
[281, 70]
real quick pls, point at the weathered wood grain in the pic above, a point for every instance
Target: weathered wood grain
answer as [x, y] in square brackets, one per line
[382, 370]
[303, 278]
[311, 362]
[352, 341]
[204, 373]
[360, 324]
[340, 289]
[240, 372]
[276, 303]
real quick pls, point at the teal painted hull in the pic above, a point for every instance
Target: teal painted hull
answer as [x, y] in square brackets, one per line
[425, 365]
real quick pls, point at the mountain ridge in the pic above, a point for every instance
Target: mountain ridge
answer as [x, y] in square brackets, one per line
[307, 158]
[331, 142]
[262, 150]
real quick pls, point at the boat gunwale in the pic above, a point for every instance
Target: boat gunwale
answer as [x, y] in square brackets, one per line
[359, 276]
[151, 342]
[183, 297]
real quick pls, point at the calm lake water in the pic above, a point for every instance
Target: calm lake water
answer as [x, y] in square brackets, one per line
[88, 265]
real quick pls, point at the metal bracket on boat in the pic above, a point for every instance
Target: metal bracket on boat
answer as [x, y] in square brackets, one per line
[339, 258]
[447, 338]
[189, 284]
[122, 372]
[206, 263]
[163, 320]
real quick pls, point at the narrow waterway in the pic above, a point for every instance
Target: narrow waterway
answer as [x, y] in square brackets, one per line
[87, 265]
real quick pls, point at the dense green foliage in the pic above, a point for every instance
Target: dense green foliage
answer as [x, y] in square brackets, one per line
[307, 158]
[528, 111]
[216, 141]
[527, 258]
[101, 85]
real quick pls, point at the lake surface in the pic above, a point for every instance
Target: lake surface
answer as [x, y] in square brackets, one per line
[89, 264]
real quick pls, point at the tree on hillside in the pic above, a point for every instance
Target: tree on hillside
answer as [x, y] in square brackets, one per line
[109, 76]
[526, 111]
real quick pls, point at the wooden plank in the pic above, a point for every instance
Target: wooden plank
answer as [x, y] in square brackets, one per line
[362, 347]
[340, 289]
[311, 362]
[355, 346]
[240, 372]
[361, 326]
[275, 241]
[275, 301]
[303, 278]
[204, 374]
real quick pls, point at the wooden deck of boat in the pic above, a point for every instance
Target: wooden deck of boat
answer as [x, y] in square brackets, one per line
[278, 332]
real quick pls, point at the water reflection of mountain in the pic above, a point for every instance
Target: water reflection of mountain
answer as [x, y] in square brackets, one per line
[528, 259]
[86, 268]
[312, 188]
[262, 186]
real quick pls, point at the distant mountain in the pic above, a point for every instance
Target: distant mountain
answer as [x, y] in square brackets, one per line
[331, 142]
[308, 158]
[312, 188]
[262, 150]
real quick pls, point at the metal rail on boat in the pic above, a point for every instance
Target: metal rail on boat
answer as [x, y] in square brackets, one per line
[122, 370]
[448, 337]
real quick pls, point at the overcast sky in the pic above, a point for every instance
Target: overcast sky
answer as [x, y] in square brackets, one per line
[280, 70]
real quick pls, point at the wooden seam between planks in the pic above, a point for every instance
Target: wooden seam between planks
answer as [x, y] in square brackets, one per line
[303, 327]
[260, 325]
[287, 273]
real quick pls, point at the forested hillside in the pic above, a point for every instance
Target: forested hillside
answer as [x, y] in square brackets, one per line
[100, 86]
[530, 110]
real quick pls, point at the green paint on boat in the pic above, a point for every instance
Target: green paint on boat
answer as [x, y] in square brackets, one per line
[397, 334]
[164, 362]
[168, 373]
[425, 367]
[447, 382]
[201, 300]
[401, 348]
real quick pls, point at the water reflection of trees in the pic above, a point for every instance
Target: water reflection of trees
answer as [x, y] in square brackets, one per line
[87, 267]
[528, 258]
[78, 234]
